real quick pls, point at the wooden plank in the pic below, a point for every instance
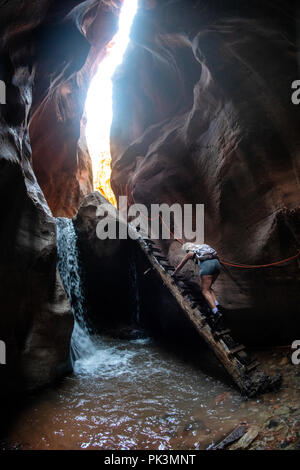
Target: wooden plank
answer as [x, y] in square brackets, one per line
[252, 366]
[219, 334]
[247, 439]
[148, 240]
[234, 436]
[162, 258]
[237, 349]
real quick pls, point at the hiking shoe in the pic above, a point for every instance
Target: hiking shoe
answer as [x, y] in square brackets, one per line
[216, 320]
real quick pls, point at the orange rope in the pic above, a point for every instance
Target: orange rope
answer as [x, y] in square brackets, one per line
[255, 266]
[226, 263]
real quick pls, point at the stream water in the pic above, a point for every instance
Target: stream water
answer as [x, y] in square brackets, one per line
[139, 394]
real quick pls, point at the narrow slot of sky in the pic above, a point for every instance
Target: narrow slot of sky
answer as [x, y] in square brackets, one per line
[99, 102]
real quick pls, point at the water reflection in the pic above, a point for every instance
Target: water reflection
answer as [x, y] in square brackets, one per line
[135, 395]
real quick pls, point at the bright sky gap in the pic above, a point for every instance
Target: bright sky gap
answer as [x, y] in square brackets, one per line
[99, 102]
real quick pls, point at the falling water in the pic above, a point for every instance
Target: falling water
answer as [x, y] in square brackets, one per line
[135, 295]
[82, 344]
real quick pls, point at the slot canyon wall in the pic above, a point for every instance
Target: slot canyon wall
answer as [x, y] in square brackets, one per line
[203, 114]
[60, 156]
[47, 55]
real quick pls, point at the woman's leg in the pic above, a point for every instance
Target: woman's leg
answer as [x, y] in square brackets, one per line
[213, 295]
[206, 283]
[215, 277]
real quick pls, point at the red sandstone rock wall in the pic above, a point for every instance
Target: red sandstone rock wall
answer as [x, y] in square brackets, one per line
[42, 55]
[61, 159]
[203, 114]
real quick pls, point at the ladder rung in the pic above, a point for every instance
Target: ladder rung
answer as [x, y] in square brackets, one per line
[252, 366]
[148, 241]
[219, 334]
[237, 349]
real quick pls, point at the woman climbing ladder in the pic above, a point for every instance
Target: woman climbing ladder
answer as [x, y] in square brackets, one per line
[209, 269]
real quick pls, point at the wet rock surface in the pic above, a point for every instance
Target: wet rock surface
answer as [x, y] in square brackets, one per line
[105, 265]
[272, 419]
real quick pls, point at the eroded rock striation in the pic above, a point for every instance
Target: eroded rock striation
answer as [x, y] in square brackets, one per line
[203, 114]
[68, 56]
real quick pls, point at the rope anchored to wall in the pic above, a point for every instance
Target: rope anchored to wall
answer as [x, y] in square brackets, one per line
[225, 263]
[257, 266]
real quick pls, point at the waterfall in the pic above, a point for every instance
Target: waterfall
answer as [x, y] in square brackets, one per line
[69, 268]
[135, 295]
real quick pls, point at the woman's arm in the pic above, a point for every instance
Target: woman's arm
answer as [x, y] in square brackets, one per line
[183, 262]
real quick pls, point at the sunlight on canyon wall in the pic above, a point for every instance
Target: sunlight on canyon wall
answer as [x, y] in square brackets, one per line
[99, 103]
